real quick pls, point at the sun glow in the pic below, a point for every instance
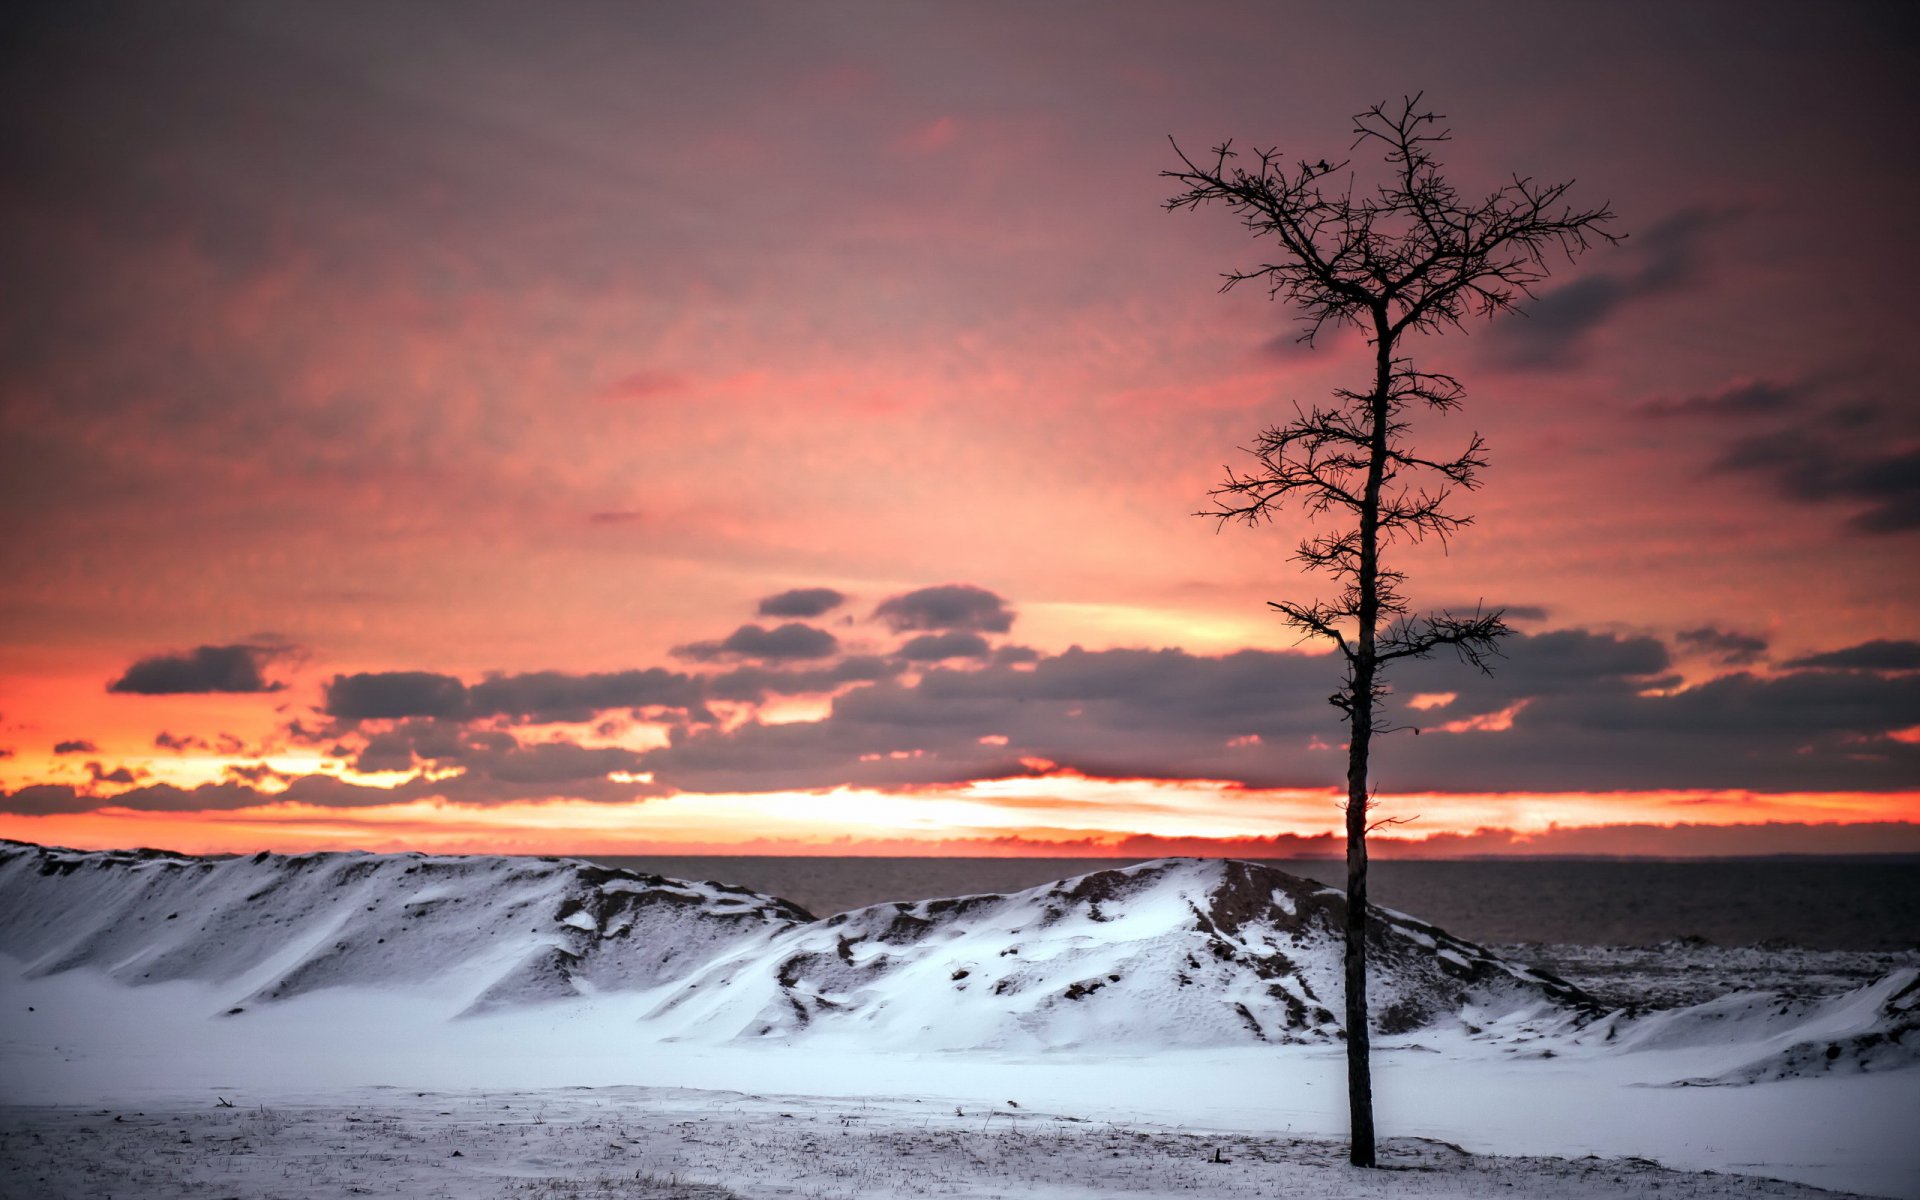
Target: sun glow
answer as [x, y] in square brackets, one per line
[1099, 625]
[1059, 813]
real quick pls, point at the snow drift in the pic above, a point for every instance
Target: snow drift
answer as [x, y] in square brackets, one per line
[1165, 953]
[1871, 1028]
[488, 931]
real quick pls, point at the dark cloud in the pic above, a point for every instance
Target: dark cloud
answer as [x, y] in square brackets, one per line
[1531, 614]
[179, 745]
[947, 607]
[802, 602]
[1734, 649]
[1150, 713]
[384, 753]
[494, 766]
[203, 669]
[863, 668]
[1890, 483]
[46, 800]
[76, 746]
[427, 740]
[1514, 612]
[254, 772]
[536, 697]
[1536, 665]
[938, 647]
[1813, 462]
[545, 764]
[784, 642]
[1877, 655]
[545, 696]
[752, 684]
[1824, 439]
[1555, 325]
[391, 695]
[49, 799]
[1565, 710]
[1812, 731]
[499, 774]
[1744, 399]
[491, 768]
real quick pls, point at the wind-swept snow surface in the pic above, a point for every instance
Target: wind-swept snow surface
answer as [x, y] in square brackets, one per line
[490, 932]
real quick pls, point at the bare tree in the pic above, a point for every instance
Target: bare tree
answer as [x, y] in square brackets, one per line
[1407, 256]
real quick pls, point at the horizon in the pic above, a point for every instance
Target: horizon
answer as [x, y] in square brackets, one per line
[487, 431]
[1389, 850]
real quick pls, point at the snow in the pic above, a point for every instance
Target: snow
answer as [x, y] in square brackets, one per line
[482, 931]
[658, 1143]
[624, 1059]
[1875, 1028]
[1170, 953]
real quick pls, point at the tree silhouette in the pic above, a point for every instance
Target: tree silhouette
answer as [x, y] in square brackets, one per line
[1409, 255]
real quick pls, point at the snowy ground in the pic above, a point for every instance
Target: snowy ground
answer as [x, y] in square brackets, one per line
[345, 1089]
[665, 1144]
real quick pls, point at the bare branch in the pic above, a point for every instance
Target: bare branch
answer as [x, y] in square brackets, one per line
[1385, 822]
[1475, 639]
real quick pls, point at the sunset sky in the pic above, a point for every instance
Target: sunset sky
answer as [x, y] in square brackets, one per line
[778, 428]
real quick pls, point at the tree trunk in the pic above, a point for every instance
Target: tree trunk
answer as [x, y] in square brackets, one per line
[1360, 1150]
[1359, 1045]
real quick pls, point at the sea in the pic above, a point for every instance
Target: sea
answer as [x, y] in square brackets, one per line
[1817, 904]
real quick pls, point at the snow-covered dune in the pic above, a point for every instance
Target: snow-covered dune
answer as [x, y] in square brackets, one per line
[1167, 953]
[485, 931]
[1872, 1028]
[1171, 953]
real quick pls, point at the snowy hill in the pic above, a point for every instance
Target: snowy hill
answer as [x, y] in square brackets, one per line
[487, 931]
[1872, 1028]
[1167, 953]
[1173, 952]
[1176, 952]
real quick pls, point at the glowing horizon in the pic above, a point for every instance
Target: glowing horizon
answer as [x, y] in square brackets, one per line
[1220, 821]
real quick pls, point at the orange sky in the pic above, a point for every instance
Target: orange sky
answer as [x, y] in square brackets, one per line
[975, 822]
[604, 429]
